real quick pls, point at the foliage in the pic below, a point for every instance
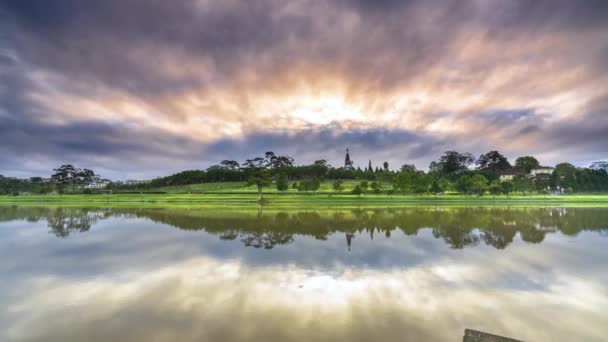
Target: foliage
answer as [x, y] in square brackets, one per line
[451, 162]
[445, 184]
[282, 182]
[364, 185]
[507, 187]
[309, 185]
[408, 168]
[494, 161]
[259, 178]
[564, 169]
[522, 183]
[478, 185]
[435, 187]
[495, 188]
[376, 187]
[337, 185]
[357, 190]
[526, 163]
[464, 184]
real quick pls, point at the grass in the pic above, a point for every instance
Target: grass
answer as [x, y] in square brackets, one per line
[242, 187]
[233, 194]
[301, 200]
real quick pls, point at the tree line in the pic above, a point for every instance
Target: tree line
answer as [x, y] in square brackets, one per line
[452, 172]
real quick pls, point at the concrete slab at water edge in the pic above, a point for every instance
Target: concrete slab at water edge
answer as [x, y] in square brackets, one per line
[478, 336]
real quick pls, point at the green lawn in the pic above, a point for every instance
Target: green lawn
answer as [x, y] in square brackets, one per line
[231, 194]
[241, 187]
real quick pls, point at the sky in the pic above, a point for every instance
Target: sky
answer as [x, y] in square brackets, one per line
[146, 88]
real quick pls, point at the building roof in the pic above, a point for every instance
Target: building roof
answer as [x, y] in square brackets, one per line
[543, 168]
[509, 172]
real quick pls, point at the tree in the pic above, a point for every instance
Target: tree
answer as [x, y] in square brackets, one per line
[337, 185]
[230, 164]
[85, 177]
[370, 168]
[479, 184]
[260, 178]
[522, 183]
[526, 163]
[404, 181]
[435, 187]
[277, 162]
[494, 161]
[507, 187]
[64, 175]
[445, 184]
[376, 187]
[495, 188]
[255, 163]
[315, 184]
[408, 168]
[385, 164]
[422, 183]
[364, 185]
[282, 182]
[357, 190]
[564, 169]
[463, 184]
[452, 161]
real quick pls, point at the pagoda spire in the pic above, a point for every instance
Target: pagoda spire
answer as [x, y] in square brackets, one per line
[348, 164]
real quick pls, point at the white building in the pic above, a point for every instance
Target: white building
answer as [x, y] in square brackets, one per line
[98, 184]
[541, 170]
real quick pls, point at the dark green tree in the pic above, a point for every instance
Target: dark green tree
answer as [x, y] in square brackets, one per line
[479, 185]
[408, 168]
[493, 161]
[464, 184]
[435, 187]
[230, 164]
[451, 162]
[282, 182]
[507, 187]
[337, 185]
[526, 163]
[522, 183]
[260, 178]
[495, 188]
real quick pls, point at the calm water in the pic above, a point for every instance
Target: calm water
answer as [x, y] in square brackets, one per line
[407, 274]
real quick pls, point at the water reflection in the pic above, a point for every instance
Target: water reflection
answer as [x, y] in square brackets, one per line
[536, 274]
[458, 227]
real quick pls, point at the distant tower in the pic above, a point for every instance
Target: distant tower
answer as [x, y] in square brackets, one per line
[349, 239]
[348, 164]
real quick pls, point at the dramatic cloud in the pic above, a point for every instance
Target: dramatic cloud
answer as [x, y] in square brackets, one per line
[185, 84]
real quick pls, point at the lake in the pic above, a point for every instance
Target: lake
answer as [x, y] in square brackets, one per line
[263, 274]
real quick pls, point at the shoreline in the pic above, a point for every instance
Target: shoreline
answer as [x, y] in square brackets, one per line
[304, 200]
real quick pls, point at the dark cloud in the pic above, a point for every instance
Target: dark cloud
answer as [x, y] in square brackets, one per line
[148, 50]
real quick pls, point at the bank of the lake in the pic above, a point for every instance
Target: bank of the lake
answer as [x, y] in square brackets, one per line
[305, 199]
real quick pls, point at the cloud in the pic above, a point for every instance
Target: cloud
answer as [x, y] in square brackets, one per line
[197, 75]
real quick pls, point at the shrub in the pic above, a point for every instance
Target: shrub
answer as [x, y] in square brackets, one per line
[337, 185]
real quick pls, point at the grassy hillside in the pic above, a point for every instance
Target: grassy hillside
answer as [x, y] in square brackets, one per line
[241, 187]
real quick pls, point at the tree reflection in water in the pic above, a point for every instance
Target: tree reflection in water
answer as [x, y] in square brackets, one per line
[458, 227]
